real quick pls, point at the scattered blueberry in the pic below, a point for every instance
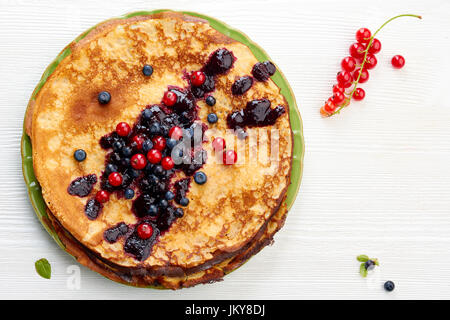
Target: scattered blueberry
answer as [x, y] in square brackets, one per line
[163, 203]
[389, 286]
[110, 168]
[147, 114]
[127, 151]
[147, 145]
[210, 101]
[369, 265]
[179, 212]
[169, 195]
[158, 170]
[147, 70]
[212, 118]
[117, 146]
[104, 97]
[152, 210]
[134, 173]
[129, 193]
[155, 128]
[170, 143]
[184, 201]
[79, 155]
[200, 177]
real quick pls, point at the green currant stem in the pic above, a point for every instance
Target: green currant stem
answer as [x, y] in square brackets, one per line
[366, 51]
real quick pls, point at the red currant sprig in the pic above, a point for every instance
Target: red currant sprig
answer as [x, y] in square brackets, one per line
[363, 51]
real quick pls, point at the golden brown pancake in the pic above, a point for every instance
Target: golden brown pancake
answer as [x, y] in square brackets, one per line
[227, 218]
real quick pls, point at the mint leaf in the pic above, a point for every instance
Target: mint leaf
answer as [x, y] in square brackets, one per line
[43, 268]
[363, 270]
[362, 258]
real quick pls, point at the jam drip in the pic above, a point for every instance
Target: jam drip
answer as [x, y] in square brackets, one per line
[138, 247]
[113, 234]
[257, 113]
[262, 71]
[82, 186]
[92, 209]
[242, 85]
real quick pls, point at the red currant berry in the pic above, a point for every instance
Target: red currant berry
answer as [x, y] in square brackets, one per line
[115, 179]
[145, 230]
[364, 75]
[338, 88]
[154, 156]
[175, 133]
[138, 161]
[348, 64]
[375, 47]
[167, 163]
[229, 157]
[170, 98]
[198, 78]
[139, 140]
[123, 129]
[324, 113]
[329, 106]
[159, 143]
[398, 61]
[338, 98]
[359, 94]
[219, 144]
[357, 50]
[102, 196]
[344, 78]
[363, 35]
[371, 61]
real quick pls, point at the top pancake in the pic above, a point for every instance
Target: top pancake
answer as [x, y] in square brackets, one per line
[225, 213]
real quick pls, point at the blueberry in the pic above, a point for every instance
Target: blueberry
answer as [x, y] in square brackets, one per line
[212, 118]
[389, 286]
[127, 151]
[155, 128]
[129, 193]
[110, 168]
[152, 210]
[134, 173]
[158, 170]
[153, 179]
[369, 265]
[104, 97]
[163, 203]
[147, 114]
[170, 143]
[147, 145]
[125, 162]
[169, 195]
[147, 70]
[184, 201]
[210, 101]
[79, 155]
[200, 177]
[117, 146]
[179, 212]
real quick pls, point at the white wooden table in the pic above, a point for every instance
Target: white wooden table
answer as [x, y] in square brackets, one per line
[376, 178]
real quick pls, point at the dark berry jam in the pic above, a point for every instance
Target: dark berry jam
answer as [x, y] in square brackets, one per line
[263, 70]
[257, 113]
[140, 248]
[242, 85]
[82, 186]
[113, 234]
[219, 62]
[92, 209]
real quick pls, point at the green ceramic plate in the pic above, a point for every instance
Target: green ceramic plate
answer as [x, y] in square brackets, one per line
[32, 184]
